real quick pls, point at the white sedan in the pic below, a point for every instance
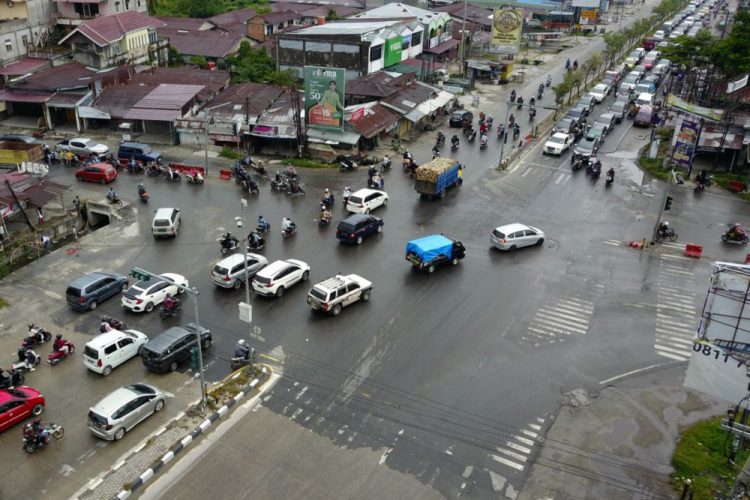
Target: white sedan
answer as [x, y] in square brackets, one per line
[600, 92]
[82, 146]
[145, 295]
[557, 144]
[365, 200]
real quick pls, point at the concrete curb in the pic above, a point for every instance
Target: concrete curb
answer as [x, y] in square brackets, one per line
[176, 449]
[187, 440]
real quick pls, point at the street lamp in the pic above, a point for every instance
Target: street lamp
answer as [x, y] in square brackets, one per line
[209, 121]
[245, 309]
[144, 275]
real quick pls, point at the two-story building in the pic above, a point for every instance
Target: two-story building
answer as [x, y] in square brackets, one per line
[75, 12]
[24, 25]
[361, 47]
[125, 38]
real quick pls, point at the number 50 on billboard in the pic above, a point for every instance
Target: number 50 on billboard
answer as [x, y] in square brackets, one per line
[324, 97]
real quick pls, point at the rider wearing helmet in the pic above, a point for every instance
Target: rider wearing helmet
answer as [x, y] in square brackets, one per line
[263, 224]
[242, 350]
[60, 344]
[170, 303]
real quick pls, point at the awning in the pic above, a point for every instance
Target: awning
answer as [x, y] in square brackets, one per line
[157, 115]
[333, 136]
[22, 96]
[89, 112]
[223, 137]
[712, 140]
[65, 100]
[443, 47]
[429, 106]
[274, 131]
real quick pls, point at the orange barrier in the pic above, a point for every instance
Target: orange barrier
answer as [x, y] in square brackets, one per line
[181, 167]
[736, 186]
[225, 174]
[693, 251]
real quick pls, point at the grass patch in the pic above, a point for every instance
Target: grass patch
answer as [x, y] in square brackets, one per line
[3, 303]
[227, 152]
[309, 163]
[699, 456]
[655, 166]
[723, 179]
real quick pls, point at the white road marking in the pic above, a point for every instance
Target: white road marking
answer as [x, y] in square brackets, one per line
[634, 372]
[513, 454]
[517, 447]
[507, 462]
[560, 178]
[526, 172]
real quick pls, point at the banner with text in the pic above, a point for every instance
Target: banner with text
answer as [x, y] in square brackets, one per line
[393, 48]
[324, 97]
[685, 139]
[506, 31]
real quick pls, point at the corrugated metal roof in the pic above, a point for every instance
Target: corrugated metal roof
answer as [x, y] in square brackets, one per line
[378, 84]
[474, 13]
[400, 10]
[158, 115]
[256, 96]
[65, 99]
[346, 136]
[13, 95]
[105, 30]
[25, 65]
[443, 47]
[234, 21]
[185, 23]
[169, 96]
[209, 43]
[346, 28]
[377, 119]
[119, 99]
[409, 97]
[67, 76]
[213, 81]
[279, 17]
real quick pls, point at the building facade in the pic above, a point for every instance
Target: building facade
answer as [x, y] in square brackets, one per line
[24, 25]
[73, 13]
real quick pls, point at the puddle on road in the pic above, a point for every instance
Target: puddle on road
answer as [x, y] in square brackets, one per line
[622, 430]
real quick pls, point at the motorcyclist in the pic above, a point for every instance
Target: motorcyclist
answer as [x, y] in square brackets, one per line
[263, 224]
[490, 121]
[611, 173]
[472, 134]
[549, 80]
[483, 128]
[39, 432]
[132, 164]
[575, 64]
[519, 101]
[111, 195]
[346, 194]
[532, 101]
[371, 171]
[664, 230]
[377, 181]
[253, 239]
[736, 232]
[408, 155]
[60, 344]
[511, 119]
[386, 163]
[512, 95]
[242, 350]
[325, 214]
[170, 303]
[702, 178]
[287, 225]
[327, 198]
[440, 138]
[483, 140]
[228, 240]
[455, 141]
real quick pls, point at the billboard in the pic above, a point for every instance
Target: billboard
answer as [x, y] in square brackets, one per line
[684, 142]
[393, 51]
[506, 31]
[324, 97]
[709, 114]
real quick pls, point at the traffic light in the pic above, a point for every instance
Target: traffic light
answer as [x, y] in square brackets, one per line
[668, 204]
[140, 274]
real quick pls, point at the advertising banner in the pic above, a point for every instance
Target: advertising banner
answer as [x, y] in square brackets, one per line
[393, 51]
[324, 97]
[506, 31]
[710, 114]
[685, 139]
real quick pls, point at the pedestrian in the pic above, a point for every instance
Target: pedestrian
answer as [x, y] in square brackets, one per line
[77, 204]
[460, 174]
[45, 243]
[40, 216]
[64, 155]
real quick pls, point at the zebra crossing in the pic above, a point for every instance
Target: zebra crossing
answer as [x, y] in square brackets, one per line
[675, 309]
[559, 319]
[519, 448]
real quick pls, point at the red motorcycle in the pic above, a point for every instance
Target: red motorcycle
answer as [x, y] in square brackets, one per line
[60, 352]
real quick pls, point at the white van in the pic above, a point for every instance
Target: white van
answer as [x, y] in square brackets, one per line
[667, 27]
[111, 349]
[645, 99]
[166, 222]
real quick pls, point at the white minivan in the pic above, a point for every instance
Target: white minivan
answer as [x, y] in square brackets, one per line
[166, 222]
[645, 99]
[111, 349]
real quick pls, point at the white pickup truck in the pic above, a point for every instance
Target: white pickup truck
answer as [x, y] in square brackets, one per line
[333, 294]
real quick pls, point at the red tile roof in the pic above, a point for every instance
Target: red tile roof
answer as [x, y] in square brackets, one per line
[377, 119]
[109, 29]
[209, 43]
[185, 23]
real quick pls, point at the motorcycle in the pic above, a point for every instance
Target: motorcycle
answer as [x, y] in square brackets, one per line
[11, 378]
[669, 234]
[328, 202]
[512, 97]
[472, 136]
[610, 180]
[114, 200]
[173, 176]
[228, 246]
[596, 171]
[193, 177]
[324, 220]
[167, 312]
[699, 187]
[31, 439]
[348, 165]
[143, 196]
[286, 233]
[250, 186]
[154, 171]
[549, 81]
[519, 103]
[27, 360]
[295, 189]
[532, 113]
[540, 93]
[58, 355]
[375, 182]
[113, 323]
[483, 142]
[576, 162]
[256, 244]
[237, 362]
[737, 240]
[489, 122]
[385, 164]
[37, 336]
[263, 228]
[279, 184]
[454, 146]
[440, 141]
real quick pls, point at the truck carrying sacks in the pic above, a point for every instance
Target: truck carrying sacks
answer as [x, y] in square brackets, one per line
[435, 177]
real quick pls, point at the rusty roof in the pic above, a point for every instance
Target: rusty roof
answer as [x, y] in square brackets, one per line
[279, 16]
[119, 99]
[377, 119]
[323, 10]
[257, 97]
[210, 43]
[105, 30]
[33, 190]
[474, 13]
[23, 66]
[212, 81]
[409, 97]
[67, 76]
[185, 23]
[378, 84]
[235, 21]
[169, 96]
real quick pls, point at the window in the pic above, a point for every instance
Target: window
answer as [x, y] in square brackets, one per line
[124, 342]
[376, 53]
[352, 287]
[416, 39]
[110, 349]
[269, 30]
[405, 44]
[8, 46]
[25, 41]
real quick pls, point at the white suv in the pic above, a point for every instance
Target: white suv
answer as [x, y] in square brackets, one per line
[335, 293]
[166, 222]
[365, 200]
[275, 278]
[111, 349]
[557, 144]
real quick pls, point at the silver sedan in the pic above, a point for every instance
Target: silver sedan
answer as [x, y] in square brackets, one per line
[83, 146]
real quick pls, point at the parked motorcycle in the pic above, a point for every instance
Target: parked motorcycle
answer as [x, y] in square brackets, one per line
[36, 439]
[348, 165]
[11, 378]
[173, 175]
[37, 336]
[58, 355]
[193, 177]
[250, 186]
[154, 171]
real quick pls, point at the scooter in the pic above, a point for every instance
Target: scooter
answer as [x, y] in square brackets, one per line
[263, 229]
[287, 233]
[454, 146]
[348, 165]
[193, 177]
[58, 355]
[281, 185]
[237, 362]
[37, 336]
[256, 244]
[610, 180]
[31, 441]
[741, 240]
[173, 176]
[483, 142]
[11, 378]
[114, 323]
[27, 360]
[143, 196]
[232, 245]
[165, 312]
[250, 186]
[154, 171]
[324, 221]
[385, 164]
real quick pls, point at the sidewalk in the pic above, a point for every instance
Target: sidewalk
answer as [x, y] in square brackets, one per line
[618, 444]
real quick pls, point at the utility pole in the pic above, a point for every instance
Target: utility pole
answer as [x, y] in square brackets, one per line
[245, 308]
[463, 43]
[145, 275]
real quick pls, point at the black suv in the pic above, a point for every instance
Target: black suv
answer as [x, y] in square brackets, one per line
[164, 352]
[357, 227]
[141, 152]
[86, 292]
[461, 118]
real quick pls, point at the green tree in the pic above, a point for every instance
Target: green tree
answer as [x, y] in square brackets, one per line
[199, 61]
[255, 65]
[613, 43]
[202, 8]
[695, 51]
[332, 15]
[561, 90]
[732, 54]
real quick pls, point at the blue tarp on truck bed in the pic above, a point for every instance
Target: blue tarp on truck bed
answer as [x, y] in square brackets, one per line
[429, 247]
